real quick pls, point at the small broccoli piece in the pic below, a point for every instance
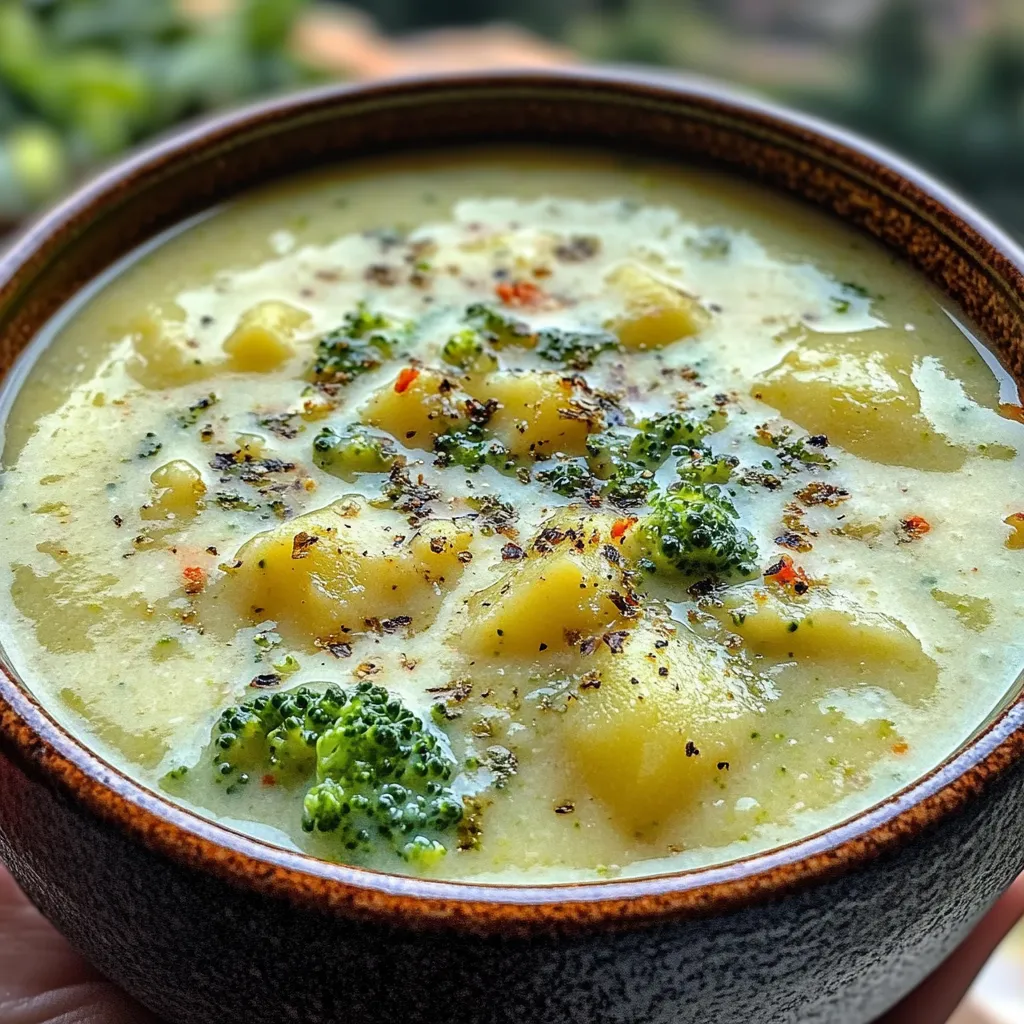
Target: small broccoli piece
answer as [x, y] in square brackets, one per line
[569, 477]
[629, 487]
[471, 449]
[670, 433]
[693, 532]
[702, 467]
[625, 483]
[360, 344]
[497, 328]
[606, 452]
[353, 451]
[576, 350]
[467, 351]
[274, 733]
[382, 775]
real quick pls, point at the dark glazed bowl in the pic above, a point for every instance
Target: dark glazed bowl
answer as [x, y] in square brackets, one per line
[209, 927]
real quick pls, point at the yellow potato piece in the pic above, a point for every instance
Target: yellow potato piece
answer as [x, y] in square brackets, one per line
[650, 739]
[178, 492]
[162, 353]
[855, 645]
[657, 313]
[325, 574]
[540, 413]
[862, 398]
[261, 341]
[417, 411]
[569, 586]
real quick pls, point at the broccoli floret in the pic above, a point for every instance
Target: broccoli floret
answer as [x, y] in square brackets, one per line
[704, 467]
[377, 776]
[574, 349]
[353, 451]
[467, 351]
[497, 328]
[693, 531]
[360, 344]
[569, 477]
[670, 433]
[382, 775]
[471, 449]
[275, 733]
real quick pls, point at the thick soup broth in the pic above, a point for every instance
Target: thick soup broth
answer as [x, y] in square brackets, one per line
[513, 516]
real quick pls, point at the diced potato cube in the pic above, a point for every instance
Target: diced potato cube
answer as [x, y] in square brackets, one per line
[540, 413]
[862, 398]
[657, 313]
[162, 356]
[569, 586]
[325, 574]
[178, 492]
[649, 739]
[416, 409]
[261, 341]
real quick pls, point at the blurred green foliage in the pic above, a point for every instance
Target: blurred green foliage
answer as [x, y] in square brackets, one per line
[943, 89]
[958, 112]
[82, 79]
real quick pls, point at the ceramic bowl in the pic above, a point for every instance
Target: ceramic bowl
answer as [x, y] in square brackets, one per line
[206, 926]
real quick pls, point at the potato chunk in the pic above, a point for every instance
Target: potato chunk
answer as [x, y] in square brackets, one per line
[854, 645]
[569, 585]
[417, 406]
[325, 574]
[260, 342]
[657, 313]
[540, 412]
[649, 739]
[162, 356]
[178, 492]
[862, 398]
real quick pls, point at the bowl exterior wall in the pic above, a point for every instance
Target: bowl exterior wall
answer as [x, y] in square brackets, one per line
[197, 950]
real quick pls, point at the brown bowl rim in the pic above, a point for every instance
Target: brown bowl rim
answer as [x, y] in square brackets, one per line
[47, 752]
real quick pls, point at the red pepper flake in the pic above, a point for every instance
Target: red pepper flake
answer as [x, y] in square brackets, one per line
[620, 526]
[784, 573]
[914, 527]
[195, 578]
[405, 379]
[519, 293]
[269, 780]
[900, 748]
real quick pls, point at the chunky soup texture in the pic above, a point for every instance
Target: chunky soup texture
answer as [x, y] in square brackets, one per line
[512, 516]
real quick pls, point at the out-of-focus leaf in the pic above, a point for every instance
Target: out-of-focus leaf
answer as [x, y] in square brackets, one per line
[209, 70]
[114, 23]
[268, 23]
[38, 160]
[10, 111]
[14, 201]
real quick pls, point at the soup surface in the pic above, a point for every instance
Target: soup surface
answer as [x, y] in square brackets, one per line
[515, 516]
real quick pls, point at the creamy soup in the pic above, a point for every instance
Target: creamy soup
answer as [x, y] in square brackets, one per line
[515, 516]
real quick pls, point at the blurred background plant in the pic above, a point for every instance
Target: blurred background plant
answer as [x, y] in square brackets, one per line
[81, 80]
[942, 81]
